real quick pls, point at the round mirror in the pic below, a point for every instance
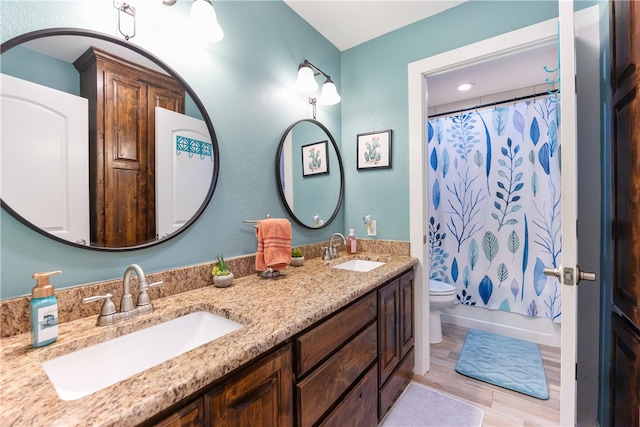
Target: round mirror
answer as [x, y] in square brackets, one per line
[103, 145]
[310, 174]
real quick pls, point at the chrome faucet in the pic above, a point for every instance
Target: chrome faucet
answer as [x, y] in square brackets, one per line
[331, 252]
[108, 313]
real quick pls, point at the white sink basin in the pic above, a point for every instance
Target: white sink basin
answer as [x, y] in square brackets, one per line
[362, 265]
[90, 369]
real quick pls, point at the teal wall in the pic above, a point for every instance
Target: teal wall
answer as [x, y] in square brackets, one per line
[245, 82]
[45, 70]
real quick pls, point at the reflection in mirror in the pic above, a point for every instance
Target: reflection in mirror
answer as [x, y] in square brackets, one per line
[103, 145]
[310, 174]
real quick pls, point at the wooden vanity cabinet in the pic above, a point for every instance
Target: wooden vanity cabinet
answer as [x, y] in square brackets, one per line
[335, 368]
[346, 370]
[396, 336]
[122, 99]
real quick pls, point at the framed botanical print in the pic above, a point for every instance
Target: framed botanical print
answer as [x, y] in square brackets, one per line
[374, 150]
[314, 159]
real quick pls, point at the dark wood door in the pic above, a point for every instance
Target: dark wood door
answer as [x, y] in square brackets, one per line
[624, 387]
[261, 396]
[126, 160]
[626, 157]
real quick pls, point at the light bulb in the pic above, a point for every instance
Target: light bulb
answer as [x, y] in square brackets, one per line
[306, 81]
[329, 94]
[205, 22]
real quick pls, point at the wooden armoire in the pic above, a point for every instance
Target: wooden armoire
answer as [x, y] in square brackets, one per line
[624, 390]
[122, 99]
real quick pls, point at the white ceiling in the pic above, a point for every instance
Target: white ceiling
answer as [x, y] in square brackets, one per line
[348, 23]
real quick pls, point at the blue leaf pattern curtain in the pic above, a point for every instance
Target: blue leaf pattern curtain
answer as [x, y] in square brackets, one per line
[494, 220]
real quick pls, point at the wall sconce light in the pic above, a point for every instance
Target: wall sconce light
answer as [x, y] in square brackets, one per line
[306, 83]
[127, 9]
[204, 21]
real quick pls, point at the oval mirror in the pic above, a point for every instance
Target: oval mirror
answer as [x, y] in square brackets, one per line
[309, 173]
[103, 145]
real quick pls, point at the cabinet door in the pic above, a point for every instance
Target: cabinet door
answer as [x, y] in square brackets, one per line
[259, 396]
[407, 324]
[388, 329]
[126, 160]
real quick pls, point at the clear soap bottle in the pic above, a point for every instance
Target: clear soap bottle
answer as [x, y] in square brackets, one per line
[44, 311]
[351, 242]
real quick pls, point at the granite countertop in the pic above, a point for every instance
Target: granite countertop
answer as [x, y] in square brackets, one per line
[271, 310]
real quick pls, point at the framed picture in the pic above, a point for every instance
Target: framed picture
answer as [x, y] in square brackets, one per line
[314, 159]
[374, 150]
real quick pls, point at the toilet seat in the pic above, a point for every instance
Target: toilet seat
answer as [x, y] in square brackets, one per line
[438, 288]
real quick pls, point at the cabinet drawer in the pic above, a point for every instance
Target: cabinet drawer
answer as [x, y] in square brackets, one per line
[317, 392]
[322, 340]
[358, 408]
[396, 383]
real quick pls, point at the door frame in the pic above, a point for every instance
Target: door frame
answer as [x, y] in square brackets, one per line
[531, 37]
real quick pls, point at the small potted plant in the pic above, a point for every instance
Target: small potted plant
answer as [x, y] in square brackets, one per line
[222, 277]
[297, 260]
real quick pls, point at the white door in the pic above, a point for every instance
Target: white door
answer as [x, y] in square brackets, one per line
[184, 167]
[568, 272]
[45, 157]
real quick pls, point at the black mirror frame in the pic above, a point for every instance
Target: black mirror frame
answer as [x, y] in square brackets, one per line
[279, 177]
[88, 33]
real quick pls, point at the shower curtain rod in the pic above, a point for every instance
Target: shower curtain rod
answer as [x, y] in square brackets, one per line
[490, 104]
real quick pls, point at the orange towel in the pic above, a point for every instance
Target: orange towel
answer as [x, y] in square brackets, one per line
[274, 244]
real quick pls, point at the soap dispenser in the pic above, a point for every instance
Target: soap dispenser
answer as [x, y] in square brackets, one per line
[44, 311]
[351, 242]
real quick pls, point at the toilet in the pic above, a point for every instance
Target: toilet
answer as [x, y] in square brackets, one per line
[441, 295]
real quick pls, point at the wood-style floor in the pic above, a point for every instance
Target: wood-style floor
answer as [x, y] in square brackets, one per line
[501, 407]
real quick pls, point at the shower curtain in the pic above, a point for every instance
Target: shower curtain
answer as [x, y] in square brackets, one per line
[494, 210]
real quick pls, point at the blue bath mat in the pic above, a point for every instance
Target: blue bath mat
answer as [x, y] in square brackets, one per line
[506, 362]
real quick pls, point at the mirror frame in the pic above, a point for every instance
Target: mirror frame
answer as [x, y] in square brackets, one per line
[279, 154]
[9, 44]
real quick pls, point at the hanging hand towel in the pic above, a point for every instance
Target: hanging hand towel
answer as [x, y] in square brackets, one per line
[274, 244]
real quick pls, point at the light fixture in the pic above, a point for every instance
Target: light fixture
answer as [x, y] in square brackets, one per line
[127, 9]
[203, 20]
[465, 86]
[306, 83]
